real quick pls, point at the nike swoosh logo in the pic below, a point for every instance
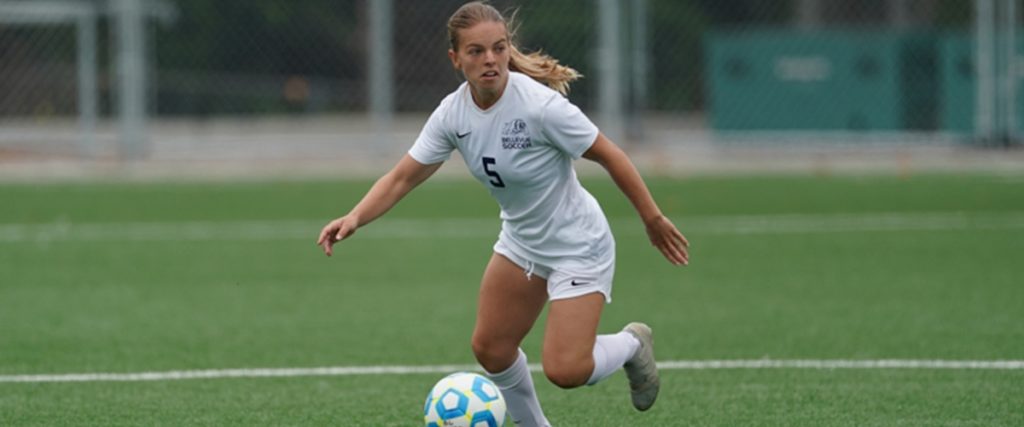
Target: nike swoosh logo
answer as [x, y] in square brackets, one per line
[462, 135]
[575, 283]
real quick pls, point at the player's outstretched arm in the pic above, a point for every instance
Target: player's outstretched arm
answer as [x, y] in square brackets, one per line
[384, 194]
[663, 234]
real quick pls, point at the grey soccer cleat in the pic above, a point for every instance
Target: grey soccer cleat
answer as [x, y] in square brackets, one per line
[642, 369]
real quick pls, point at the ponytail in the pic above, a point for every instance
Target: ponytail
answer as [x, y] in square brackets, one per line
[543, 68]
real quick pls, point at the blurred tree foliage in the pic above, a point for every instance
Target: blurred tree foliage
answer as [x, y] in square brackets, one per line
[236, 56]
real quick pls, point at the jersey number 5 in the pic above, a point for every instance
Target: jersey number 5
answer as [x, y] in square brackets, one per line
[496, 181]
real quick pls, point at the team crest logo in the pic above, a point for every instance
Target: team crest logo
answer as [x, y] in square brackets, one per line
[515, 127]
[514, 135]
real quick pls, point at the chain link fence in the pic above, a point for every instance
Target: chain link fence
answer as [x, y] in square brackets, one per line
[859, 68]
[37, 74]
[272, 57]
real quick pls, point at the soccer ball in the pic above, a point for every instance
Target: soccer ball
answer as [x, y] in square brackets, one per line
[464, 399]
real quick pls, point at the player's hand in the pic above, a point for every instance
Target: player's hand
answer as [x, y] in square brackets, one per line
[336, 231]
[672, 244]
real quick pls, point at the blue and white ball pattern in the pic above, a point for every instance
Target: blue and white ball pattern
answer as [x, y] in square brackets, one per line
[464, 399]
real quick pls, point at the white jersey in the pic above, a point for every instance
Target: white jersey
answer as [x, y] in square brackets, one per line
[521, 149]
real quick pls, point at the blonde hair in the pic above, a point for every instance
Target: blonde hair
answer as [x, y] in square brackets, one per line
[538, 65]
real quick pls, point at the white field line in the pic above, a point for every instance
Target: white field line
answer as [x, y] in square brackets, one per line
[444, 369]
[489, 227]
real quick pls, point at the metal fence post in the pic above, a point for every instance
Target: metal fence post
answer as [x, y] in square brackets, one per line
[1010, 73]
[984, 88]
[87, 92]
[639, 70]
[131, 71]
[381, 75]
[610, 68]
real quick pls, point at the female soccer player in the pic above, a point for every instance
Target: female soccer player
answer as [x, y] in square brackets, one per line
[519, 136]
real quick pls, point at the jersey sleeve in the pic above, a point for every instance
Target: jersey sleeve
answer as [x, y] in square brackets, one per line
[567, 128]
[434, 144]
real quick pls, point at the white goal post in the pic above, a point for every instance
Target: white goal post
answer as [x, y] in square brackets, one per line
[129, 59]
[83, 16]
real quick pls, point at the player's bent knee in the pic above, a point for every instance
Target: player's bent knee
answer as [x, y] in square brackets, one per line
[566, 376]
[494, 357]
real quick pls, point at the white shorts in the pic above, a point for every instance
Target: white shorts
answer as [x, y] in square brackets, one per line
[565, 283]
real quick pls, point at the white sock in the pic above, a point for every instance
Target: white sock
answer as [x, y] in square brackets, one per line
[610, 353]
[516, 386]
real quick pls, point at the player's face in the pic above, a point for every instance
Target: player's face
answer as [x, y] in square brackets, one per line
[483, 56]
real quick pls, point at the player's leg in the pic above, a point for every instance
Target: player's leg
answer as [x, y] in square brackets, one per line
[574, 355]
[569, 338]
[509, 305]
